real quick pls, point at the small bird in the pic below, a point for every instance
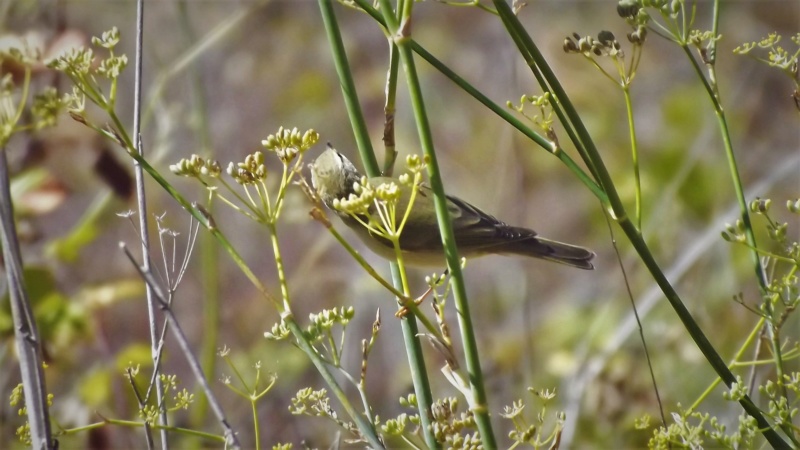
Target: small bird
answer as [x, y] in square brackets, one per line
[477, 233]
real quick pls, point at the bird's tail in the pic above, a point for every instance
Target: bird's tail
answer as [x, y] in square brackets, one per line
[542, 248]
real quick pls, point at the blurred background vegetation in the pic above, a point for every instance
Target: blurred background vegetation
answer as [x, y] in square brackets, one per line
[268, 64]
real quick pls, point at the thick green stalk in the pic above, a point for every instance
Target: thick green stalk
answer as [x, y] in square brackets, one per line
[411, 338]
[695, 332]
[349, 89]
[618, 212]
[419, 374]
[549, 83]
[750, 339]
[478, 403]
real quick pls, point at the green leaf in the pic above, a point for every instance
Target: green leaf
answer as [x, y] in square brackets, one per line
[95, 388]
[132, 355]
[69, 247]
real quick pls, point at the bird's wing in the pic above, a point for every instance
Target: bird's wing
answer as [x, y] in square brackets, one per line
[474, 229]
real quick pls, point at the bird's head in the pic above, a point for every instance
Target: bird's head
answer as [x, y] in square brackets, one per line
[333, 175]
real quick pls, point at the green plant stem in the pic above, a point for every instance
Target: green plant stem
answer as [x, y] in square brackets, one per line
[634, 155]
[204, 218]
[408, 324]
[273, 235]
[137, 424]
[617, 210]
[363, 262]
[416, 360]
[252, 212]
[389, 109]
[256, 427]
[362, 393]
[366, 428]
[349, 92]
[401, 35]
[735, 359]
[117, 133]
[549, 84]
[511, 120]
[276, 250]
[494, 107]
[712, 90]
[416, 363]
[401, 297]
[696, 332]
[207, 221]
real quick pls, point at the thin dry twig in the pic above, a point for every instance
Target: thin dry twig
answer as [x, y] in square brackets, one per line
[177, 331]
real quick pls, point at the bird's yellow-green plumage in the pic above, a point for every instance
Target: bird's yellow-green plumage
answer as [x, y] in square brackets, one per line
[477, 233]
